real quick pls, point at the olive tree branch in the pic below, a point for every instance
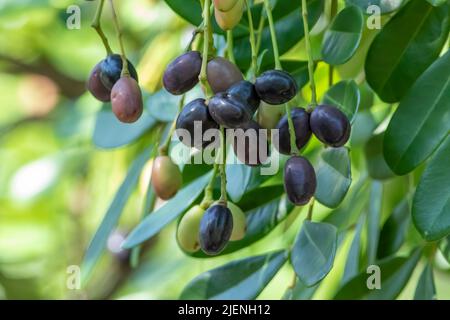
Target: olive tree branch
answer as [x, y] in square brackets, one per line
[125, 71]
[97, 26]
[309, 52]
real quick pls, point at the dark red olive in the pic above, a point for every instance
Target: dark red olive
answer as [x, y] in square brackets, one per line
[299, 180]
[229, 111]
[222, 74]
[276, 87]
[126, 100]
[250, 143]
[182, 74]
[245, 91]
[300, 119]
[216, 227]
[111, 69]
[194, 120]
[330, 125]
[96, 87]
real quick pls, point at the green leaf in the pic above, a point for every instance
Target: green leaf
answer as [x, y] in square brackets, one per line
[253, 199]
[394, 230]
[334, 176]
[444, 247]
[300, 292]
[298, 70]
[343, 36]
[426, 289]
[431, 204]
[394, 273]
[190, 10]
[111, 133]
[112, 216]
[344, 95]
[352, 266]
[162, 105]
[384, 6]
[238, 280]
[158, 219]
[238, 176]
[422, 121]
[437, 3]
[376, 164]
[405, 48]
[313, 253]
[373, 220]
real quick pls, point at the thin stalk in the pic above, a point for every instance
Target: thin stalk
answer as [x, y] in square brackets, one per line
[273, 35]
[164, 149]
[195, 33]
[223, 174]
[206, 38]
[252, 41]
[125, 71]
[260, 29]
[309, 52]
[230, 46]
[208, 197]
[292, 136]
[97, 26]
[311, 210]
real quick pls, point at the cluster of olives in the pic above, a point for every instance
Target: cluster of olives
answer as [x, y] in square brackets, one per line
[106, 84]
[228, 13]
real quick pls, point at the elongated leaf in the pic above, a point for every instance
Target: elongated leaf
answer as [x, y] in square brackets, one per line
[376, 164]
[112, 216]
[393, 233]
[383, 5]
[343, 36]
[373, 221]
[313, 253]
[344, 95]
[154, 222]
[444, 247]
[431, 204]
[111, 133]
[238, 176]
[162, 105]
[238, 280]
[253, 199]
[405, 48]
[426, 289]
[352, 266]
[422, 120]
[334, 176]
[394, 275]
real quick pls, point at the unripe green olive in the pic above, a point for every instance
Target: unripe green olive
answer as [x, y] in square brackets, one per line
[239, 221]
[224, 5]
[228, 20]
[188, 229]
[166, 177]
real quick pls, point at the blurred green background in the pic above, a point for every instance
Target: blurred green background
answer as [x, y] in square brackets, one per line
[56, 184]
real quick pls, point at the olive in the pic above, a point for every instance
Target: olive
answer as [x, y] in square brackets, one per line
[222, 74]
[182, 74]
[188, 229]
[299, 180]
[196, 120]
[229, 111]
[96, 87]
[245, 91]
[228, 20]
[250, 143]
[216, 227]
[276, 87]
[300, 119]
[166, 177]
[239, 222]
[269, 116]
[126, 100]
[224, 5]
[330, 125]
[111, 69]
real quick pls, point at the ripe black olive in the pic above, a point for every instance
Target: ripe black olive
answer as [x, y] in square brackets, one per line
[330, 125]
[182, 74]
[299, 180]
[216, 227]
[276, 87]
[229, 111]
[245, 91]
[300, 119]
[250, 143]
[222, 74]
[126, 100]
[111, 69]
[96, 87]
[195, 118]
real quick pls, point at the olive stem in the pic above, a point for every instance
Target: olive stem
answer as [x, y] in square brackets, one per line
[252, 41]
[97, 26]
[273, 35]
[260, 29]
[125, 72]
[230, 46]
[309, 52]
[292, 135]
[208, 197]
[164, 149]
[195, 33]
[206, 37]
[310, 210]
[223, 174]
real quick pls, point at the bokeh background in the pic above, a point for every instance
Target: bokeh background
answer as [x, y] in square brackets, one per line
[56, 183]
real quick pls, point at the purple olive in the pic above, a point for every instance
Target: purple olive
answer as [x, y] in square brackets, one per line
[126, 100]
[300, 119]
[182, 74]
[96, 87]
[216, 227]
[276, 87]
[111, 70]
[245, 91]
[222, 74]
[299, 180]
[229, 111]
[250, 143]
[330, 125]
